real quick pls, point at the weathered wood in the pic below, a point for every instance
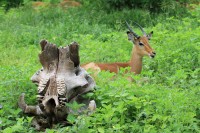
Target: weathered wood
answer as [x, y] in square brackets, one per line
[61, 80]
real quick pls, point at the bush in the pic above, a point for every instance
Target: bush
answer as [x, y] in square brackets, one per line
[7, 4]
[154, 6]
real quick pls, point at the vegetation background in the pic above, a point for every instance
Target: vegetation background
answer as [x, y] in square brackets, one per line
[165, 97]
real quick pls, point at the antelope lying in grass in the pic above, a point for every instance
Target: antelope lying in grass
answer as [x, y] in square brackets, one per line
[140, 49]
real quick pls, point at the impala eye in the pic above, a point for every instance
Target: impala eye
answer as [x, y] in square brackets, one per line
[141, 44]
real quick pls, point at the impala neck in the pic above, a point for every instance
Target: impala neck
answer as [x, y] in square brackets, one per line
[136, 61]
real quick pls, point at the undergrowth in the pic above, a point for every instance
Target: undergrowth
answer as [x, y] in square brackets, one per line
[165, 97]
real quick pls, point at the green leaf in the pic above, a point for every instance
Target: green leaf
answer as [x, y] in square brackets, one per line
[71, 118]
[100, 129]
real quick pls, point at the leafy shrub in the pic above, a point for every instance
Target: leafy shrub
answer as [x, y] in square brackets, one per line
[7, 4]
[167, 6]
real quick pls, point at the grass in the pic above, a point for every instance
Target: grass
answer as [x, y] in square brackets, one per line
[166, 101]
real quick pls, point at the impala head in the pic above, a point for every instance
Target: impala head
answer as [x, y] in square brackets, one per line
[141, 43]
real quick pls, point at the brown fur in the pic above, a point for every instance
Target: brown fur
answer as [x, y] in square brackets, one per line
[135, 62]
[112, 67]
[63, 4]
[69, 3]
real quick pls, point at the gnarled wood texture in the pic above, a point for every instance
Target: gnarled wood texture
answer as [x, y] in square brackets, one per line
[60, 80]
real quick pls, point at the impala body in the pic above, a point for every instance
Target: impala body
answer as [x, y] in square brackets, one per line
[140, 49]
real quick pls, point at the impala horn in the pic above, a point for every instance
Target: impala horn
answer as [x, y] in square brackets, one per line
[132, 30]
[141, 28]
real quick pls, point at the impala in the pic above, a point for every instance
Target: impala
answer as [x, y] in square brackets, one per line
[140, 49]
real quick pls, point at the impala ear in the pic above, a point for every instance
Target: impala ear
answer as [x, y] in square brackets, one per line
[150, 35]
[130, 36]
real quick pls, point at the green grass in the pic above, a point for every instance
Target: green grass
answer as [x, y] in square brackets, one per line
[166, 101]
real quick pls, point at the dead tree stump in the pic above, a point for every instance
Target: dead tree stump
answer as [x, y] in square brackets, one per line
[61, 80]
